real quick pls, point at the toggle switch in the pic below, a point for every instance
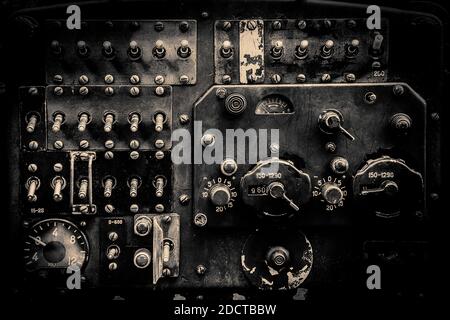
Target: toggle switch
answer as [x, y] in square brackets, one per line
[32, 184]
[330, 121]
[82, 49]
[184, 50]
[108, 185]
[301, 51]
[83, 120]
[277, 191]
[108, 119]
[83, 189]
[159, 51]
[134, 51]
[327, 49]
[226, 50]
[159, 183]
[108, 50]
[142, 258]
[58, 119]
[339, 165]
[167, 247]
[134, 119]
[352, 49]
[277, 50]
[142, 226]
[134, 184]
[112, 252]
[58, 184]
[377, 44]
[159, 120]
[32, 120]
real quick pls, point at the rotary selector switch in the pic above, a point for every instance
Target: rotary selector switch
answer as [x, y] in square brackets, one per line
[275, 188]
[331, 191]
[388, 187]
[221, 192]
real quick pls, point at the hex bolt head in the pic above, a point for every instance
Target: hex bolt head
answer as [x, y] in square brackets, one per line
[109, 208]
[134, 79]
[109, 91]
[159, 79]
[84, 144]
[109, 144]
[221, 93]
[58, 79]
[226, 26]
[83, 79]
[32, 167]
[350, 77]
[58, 167]
[184, 118]
[200, 219]
[109, 78]
[200, 269]
[159, 155]
[83, 91]
[109, 155]
[301, 78]
[57, 91]
[159, 91]
[134, 155]
[252, 24]
[134, 144]
[58, 144]
[398, 90]
[226, 79]
[184, 199]
[134, 91]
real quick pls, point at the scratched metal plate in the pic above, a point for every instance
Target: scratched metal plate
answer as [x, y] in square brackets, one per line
[70, 66]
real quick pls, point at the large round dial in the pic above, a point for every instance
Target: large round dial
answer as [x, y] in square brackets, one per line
[55, 243]
[276, 188]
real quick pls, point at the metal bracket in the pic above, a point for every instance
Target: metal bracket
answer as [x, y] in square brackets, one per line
[89, 156]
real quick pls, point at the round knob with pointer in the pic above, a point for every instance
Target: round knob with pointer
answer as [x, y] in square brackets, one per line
[331, 120]
[220, 194]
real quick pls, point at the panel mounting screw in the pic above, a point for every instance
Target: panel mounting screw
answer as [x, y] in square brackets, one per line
[109, 91]
[109, 208]
[159, 26]
[33, 91]
[200, 269]
[58, 79]
[351, 24]
[276, 25]
[226, 79]
[159, 91]
[276, 78]
[84, 144]
[159, 143]
[32, 167]
[58, 91]
[167, 219]
[226, 26]
[325, 77]
[434, 196]
[221, 93]
[350, 77]
[57, 167]
[435, 116]
[134, 79]
[159, 207]
[134, 208]
[251, 25]
[184, 26]
[330, 147]
[184, 118]
[301, 24]
[184, 79]
[159, 79]
[134, 144]
[184, 199]
[83, 79]
[200, 219]
[134, 91]
[398, 90]
[205, 14]
[109, 155]
[166, 272]
[58, 144]
[33, 145]
[301, 78]
[134, 155]
[159, 155]
[370, 98]
[83, 91]
[109, 79]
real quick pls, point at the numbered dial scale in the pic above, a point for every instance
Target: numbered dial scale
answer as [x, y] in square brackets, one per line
[53, 244]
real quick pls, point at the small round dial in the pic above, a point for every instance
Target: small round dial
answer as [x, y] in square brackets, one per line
[331, 191]
[55, 243]
[221, 193]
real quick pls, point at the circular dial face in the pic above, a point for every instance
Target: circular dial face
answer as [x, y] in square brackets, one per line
[221, 192]
[274, 104]
[331, 191]
[55, 243]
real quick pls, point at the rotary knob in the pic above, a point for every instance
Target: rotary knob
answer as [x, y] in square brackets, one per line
[220, 194]
[332, 193]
